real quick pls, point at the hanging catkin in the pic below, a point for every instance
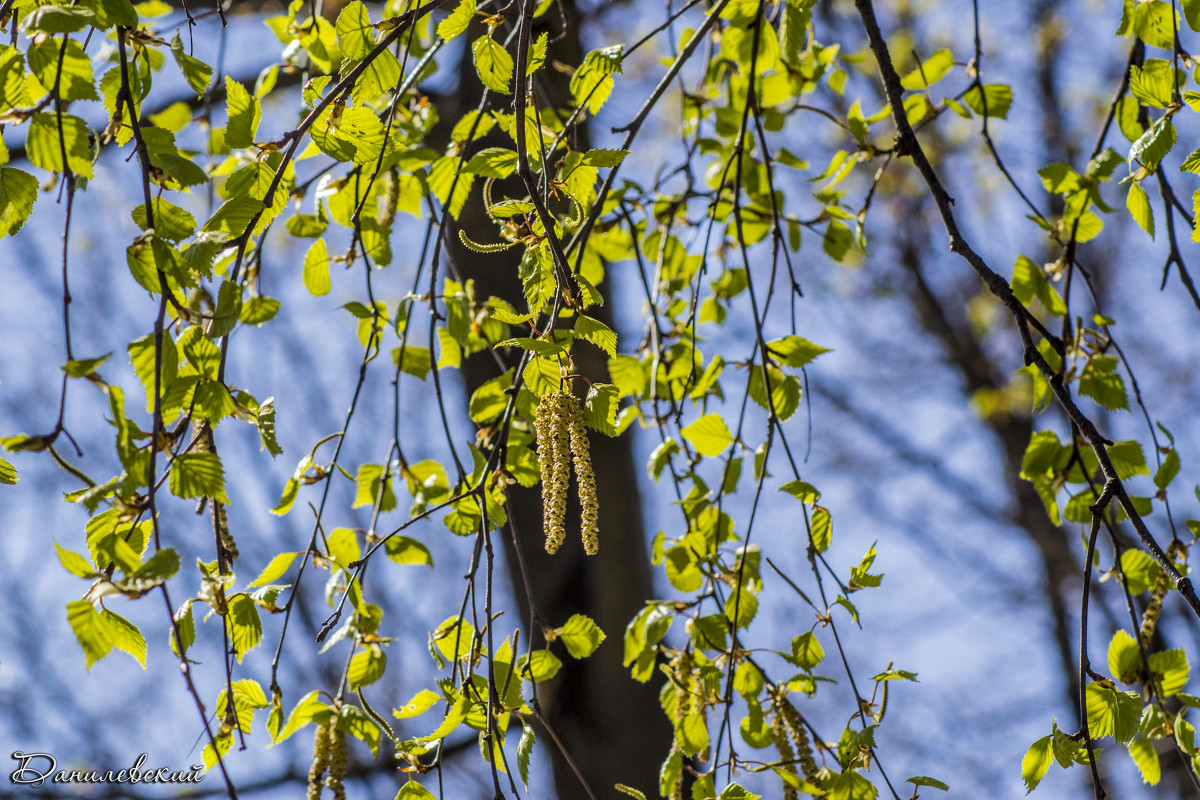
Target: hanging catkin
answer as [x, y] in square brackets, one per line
[550, 426]
[320, 762]
[337, 761]
[589, 524]
[562, 441]
[804, 748]
[787, 756]
[1159, 591]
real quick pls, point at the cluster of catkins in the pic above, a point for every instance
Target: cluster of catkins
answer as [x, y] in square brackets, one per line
[329, 753]
[786, 723]
[562, 439]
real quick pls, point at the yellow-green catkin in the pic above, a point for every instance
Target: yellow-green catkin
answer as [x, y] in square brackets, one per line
[562, 441]
[787, 756]
[337, 762]
[585, 477]
[390, 199]
[553, 460]
[804, 748]
[320, 762]
[1157, 594]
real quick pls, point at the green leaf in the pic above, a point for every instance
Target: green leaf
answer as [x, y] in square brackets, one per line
[264, 420]
[75, 78]
[493, 64]
[8, 473]
[525, 746]
[1167, 470]
[1140, 570]
[244, 113]
[597, 333]
[406, 550]
[200, 352]
[274, 570]
[542, 665]
[735, 792]
[1138, 204]
[741, 606]
[74, 563]
[747, 680]
[126, 637]
[1191, 13]
[458, 21]
[374, 481]
[822, 528]
[1170, 671]
[537, 53]
[785, 392]
[1146, 758]
[600, 408]
[170, 221]
[1044, 454]
[18, 191]
[1037, 760]
[691, 734]
[92, 631]
[995, 100]
[197, 74]
[580, 635]
[234, 215]
[413, 360]
[454, 717]
[603, 158]
[802, 491]
[198, 475]
[60, 19]
[807, 651]
[490, 399]
[412, 790]
[1152, 83]
[592, 83]
[83, 367]
[45, 148]
[367, 666]
[1029, 281]
[1153, 145]
[493, 162]
[924, 780]
[1112, 712]
[930, 71]
[157, 570]
[1124, 657]
[709, 435]
[795, 351]
[354, 32]
[1128, 459]
[245, 628]
[316, 269]
[421, 702]
[1154, 24]
[838, 238]
[186, 626]
[309, 709]
[121, 12]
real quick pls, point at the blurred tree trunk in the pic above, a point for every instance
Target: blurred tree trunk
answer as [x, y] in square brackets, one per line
[611, 726]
